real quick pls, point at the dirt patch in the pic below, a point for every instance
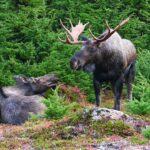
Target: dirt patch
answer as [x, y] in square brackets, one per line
[6, 128]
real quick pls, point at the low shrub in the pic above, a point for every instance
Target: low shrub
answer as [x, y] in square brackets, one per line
[146, 132]
[56, 106]
[73, 93]
[110, 128]
[139, 107]
[141, 93]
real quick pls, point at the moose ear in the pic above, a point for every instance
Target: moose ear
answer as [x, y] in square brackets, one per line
[84, 38]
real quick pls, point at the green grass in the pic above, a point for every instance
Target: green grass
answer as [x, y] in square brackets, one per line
[141, 93]
[56, 106]
[138, 140]
[146, 132]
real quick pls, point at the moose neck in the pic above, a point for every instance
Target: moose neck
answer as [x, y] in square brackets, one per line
[103, 56]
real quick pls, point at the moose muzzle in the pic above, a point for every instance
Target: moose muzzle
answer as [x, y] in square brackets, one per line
[75, 63]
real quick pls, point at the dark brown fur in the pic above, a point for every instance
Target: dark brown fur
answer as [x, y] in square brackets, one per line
[16, 109]
[114, 62]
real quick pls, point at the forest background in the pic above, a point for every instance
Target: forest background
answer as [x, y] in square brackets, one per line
[29, 44]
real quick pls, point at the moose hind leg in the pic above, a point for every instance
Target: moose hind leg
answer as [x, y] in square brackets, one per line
[117, 85]
[97, 91]
[129, 78]
[129, 90]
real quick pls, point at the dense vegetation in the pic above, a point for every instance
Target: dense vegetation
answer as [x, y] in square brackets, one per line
[29, 43]
[56, 106]
[146, 132]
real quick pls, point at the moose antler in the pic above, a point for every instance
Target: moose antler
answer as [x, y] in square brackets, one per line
[73, 33]
[110, 32]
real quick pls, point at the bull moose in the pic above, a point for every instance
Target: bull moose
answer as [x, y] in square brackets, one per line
[112, 56]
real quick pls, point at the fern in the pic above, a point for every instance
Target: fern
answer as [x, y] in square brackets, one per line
[146, 132]
[56, 107]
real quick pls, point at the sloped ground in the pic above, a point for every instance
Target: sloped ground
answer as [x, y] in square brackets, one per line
[71, 134]
[118, 143]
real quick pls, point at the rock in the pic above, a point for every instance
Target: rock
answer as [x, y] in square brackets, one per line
[104, 113]
[112, 145]
[114, 115]
[119, 145]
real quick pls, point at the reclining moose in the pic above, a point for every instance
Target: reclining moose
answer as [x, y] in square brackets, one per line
[19, 101]
[112, 56]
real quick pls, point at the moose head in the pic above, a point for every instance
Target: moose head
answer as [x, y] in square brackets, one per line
[90, 47]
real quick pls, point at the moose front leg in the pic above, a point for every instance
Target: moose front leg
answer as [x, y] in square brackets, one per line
[97, 91]
[117, 85]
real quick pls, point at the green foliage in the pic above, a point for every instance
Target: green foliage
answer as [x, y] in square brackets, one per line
[139, 107]
[141, 91]
[141, 102]
[138, 140]
[146, 132]
[56, 107]
[29, 31]
[142, 67]
[110, 128]
[142, 88]
[34, 117]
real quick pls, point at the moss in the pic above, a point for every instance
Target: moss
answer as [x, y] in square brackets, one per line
[62, 135]
[138, 140]
[102, 127]
[95, 130]
[61, 144]
[110, 128]
[11, 143]
[3, 145]
[74, 133]
[75, 118]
